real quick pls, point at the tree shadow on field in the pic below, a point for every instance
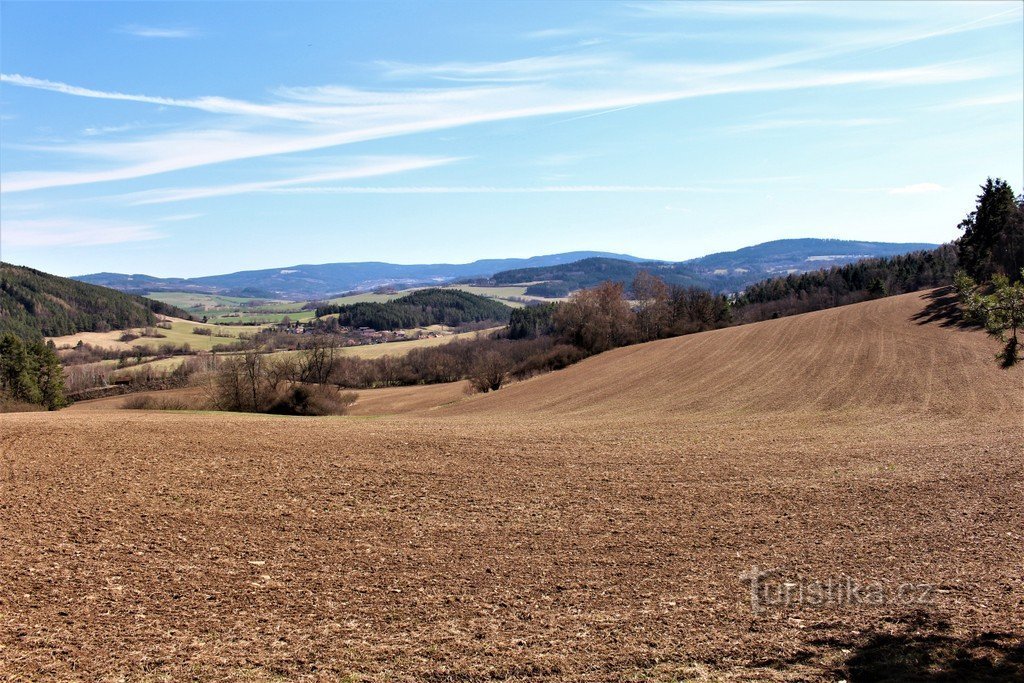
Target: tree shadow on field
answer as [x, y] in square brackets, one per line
[943, 308]
[922, 649]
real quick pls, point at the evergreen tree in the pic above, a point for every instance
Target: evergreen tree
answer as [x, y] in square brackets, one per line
[1001, 312]
[993, 239]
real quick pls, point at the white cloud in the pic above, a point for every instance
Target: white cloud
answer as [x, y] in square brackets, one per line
[778, 124]
[917, 188]
[484, 189]
[339, 116]
[984, 101]
[158, 31]
[295, 120]
[180, 217]
[66, 232]
[369, 168]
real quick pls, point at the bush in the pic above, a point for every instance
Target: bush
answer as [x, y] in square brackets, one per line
[489, 372]
[204, 331]
[128, 337]
[312, 399]
[150, 402]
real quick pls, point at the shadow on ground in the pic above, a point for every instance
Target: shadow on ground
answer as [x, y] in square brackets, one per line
[944, 309]
[923, 649]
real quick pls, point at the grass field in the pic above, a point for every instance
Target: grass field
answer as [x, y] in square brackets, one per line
[591, 524]
[181, 332]
[228, 309]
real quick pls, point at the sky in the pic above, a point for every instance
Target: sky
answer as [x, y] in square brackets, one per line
[194, 138]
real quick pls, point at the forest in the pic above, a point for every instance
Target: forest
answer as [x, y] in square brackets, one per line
[422, 308]
[34, 304]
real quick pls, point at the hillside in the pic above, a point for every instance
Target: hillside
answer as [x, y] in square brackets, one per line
[33, 304]
[722, 272]
[308, 281]
[876, 355]
[421, 308]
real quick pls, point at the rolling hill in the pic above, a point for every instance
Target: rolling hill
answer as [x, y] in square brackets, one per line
[34, 304]
[886, 354]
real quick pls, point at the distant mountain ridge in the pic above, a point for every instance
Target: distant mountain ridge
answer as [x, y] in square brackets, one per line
[311, 281]
[728, 271]
[721, 272]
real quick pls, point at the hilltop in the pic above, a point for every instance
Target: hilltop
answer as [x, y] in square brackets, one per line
[729, 271]
[34, 304]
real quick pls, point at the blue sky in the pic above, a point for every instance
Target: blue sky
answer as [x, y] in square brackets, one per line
[199, 138]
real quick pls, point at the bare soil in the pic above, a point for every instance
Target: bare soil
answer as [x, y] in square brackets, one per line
[587, 525]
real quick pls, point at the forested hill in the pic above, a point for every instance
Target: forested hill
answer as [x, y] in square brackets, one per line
[34, 304]
[419, 309]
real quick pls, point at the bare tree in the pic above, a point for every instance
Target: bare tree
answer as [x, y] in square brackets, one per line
[653, 311]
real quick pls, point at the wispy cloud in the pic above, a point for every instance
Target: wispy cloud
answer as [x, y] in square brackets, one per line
[367, 169]
[779, 124]
[157, 31]
[917, 188]
[484, 189]
[983, 101]
[180, 217]
[516, 70]
[296, 120]
[66, 232]
[339, 116]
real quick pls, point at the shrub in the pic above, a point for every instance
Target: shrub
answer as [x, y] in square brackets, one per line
[204, 331]
[150, 402]
[312, 399]
[489, 372]
[128, 337]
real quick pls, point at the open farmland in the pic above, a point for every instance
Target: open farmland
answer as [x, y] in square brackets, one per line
[217, 308]
[588, 524]
[181, 332]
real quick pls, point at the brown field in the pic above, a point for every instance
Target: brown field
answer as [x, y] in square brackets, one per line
[586, 525]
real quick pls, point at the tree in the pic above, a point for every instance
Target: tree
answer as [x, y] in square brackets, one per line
[50, 375]
[31, 373]
[489, 372]
[317, 359]
[653, 310]
[993, 239]
[1001, 312]
[596, 319]
[531, 322]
